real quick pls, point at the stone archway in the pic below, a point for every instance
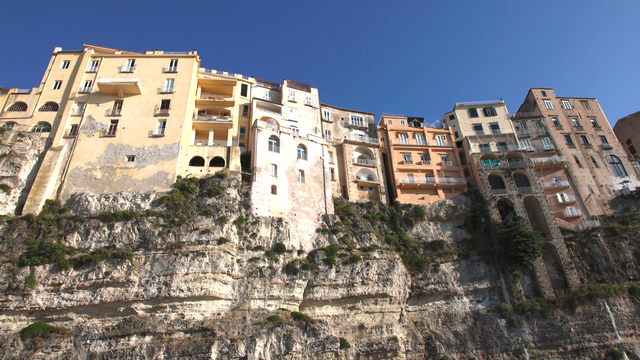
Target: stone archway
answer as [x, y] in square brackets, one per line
[536, 216]
[554, 269]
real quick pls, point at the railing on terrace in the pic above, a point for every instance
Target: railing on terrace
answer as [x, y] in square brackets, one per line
[549, 147]
[447, 163]
[127, 69]
[571, 212]
[566, 199]
[417, 180]
[451, 181]
[118, 80]
[491, 166]
[525, 190]
[365, 139]
[606, 146]
[500, 191]
[552, 184]
[22, 91]
[212, 118]
[362, 161]
[595, 223]
[549, 160]
[175, 52]
[471, 103]
[217, 73]
[517, 164]
[218, 143]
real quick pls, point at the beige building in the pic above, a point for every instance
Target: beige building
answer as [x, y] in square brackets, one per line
[289, 157]
[597, 165]
[421, 163]
[355, 166]
[627, 130]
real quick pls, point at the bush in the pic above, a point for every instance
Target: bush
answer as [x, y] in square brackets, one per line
[522, 246]
[30, 282]
[344, 344]
[330, 260]
[384, 218]
[42, 330]
[101, 254]
[634, 290]
[239, 221]
[291, 269]
[331, 250]
[216, 191]
[223, 241]
[347, 243]
[274, 318]
[354, 259]
[504, 310]
[297, 316]
[220, 174]
[415, 263]
[223, 219]
[117, 216]
[624, 222]
[420, 213]
[271, 255]
[614, 230]
[410, 222]
[394, 339]
[5, 188]
[279, 248]
[616, 354]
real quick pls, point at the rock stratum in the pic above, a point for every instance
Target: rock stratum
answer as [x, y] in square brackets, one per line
[192, 275]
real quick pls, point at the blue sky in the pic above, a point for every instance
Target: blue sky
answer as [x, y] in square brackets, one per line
[411, 57]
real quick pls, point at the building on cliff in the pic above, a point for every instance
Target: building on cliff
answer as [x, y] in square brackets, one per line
[499, 164]
[596, 162]
[627, 129]
[421, 162]
[355, 167]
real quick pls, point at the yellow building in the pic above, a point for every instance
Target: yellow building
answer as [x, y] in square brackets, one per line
[421, 162]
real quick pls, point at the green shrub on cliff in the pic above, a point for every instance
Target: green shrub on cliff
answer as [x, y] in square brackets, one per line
[42, 330]
[344, 344]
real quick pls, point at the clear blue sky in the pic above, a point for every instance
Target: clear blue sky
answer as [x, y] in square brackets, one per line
[411, 57]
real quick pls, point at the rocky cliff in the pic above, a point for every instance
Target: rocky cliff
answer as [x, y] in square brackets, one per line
[192, 275]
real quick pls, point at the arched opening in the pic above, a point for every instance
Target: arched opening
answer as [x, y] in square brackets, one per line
[522, 181]
[217, 162]
[536, 216]
[515, 160]
[415, 123]
[490, 162]
[363, 156]
[49, 106]
[488, 156]
[513, 155]
[616, 166]
[554, 269]
[301, 151]
[10, 125]
[18, 106]
[196, 161]
[496, 181]
[506, 208]
[274, 144]
[41, 127]
[272, 124]
[366, 175]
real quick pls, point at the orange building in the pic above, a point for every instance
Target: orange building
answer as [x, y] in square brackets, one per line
[421, 163]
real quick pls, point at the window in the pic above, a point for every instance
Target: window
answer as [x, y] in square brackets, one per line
[407, 158]
[295, 130]
[130, 158]
[526, 143]
[327, 135]
[616, 166]
[300, 176]
[173, 66]
[495, 128]
[308, 100]
[274, 190]
[168, 86]
[628, 141]
[403, 139]
[65, 64]
[244, 90]
[591, 189]
[540, 127]
[420, 139]
[49, 107]
[585, 105]
[129, 66]
[86, 87]
[595, 162]
[302, 152]
[330, 157]
[566, 104]
[594, 123]
[485, 147]
[57, 84]
[402, 122]
[548, 104]
[445, 159]
[555, 121]
[546, 143]
[603, 140]
[489, 111]
[455, 133]
[452, 117]
[608, 189]
[524, 128]
[441, 140]
[160, 127]
[577, 159]
[567, 139]
[274, 144]
[544, 93]
[73, 131]
[584, 139]
[274, 170]
[292, 95]
[389, 121]
[473, 112]
[632, 149]
[424, 158]
[165, 106]
[292, 113]
[477, 128]
[332, 174]
[243, 133]
[326, 115]
[113, 127]
[267, 94]
[93, 66]
[41, 127]
[410, 178]
[245, 110]
[575, 122]
[117, 108]
[357, 121]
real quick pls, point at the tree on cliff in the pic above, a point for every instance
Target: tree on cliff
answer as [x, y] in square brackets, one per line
[521, 245]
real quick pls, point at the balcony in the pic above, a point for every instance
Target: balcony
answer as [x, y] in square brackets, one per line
[161, 112]
[170, 69]
[562, 184]
[589, 224]
[524, 133]
[478, 132]
[571, 213]
[93, 69]
[156, 133]
[111, 132]
[598, 128]
[496, 131]
[113, 112]
[361, 124]
[406, 162]
[167, 90]
[416, 182]
[541, 131]
[517, 164]
[367, 162]
[567, 200]
[77, 112]
[362, 139]
[85, 90]
[119, 86]
[491, 166]
[548, 147]
[525, 190]
[488, 148]
[500, 192]
[425, 162]
[128, 69]
[223, 143]
[553, 162]
[529, 148]
[447, 163]
[407, 143]
[507, 148]
[451, 181]
[578, 127]
[213, 119]
[440, 144]
[606, 146]
[71, 133]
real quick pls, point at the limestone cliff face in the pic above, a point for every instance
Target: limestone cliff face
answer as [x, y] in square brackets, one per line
[204, 288]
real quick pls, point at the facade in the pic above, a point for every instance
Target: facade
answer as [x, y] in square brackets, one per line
[421, 163]
[289, 157]
[355, 167]
[500, 167]
[627, 130]
[596, 163]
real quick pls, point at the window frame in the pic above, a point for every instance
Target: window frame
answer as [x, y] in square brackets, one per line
[548, 104]
[566, 104]
[65, 64]
[57, 84]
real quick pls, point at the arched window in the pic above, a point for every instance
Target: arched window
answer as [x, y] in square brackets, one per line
[50, 106]
[196, 161]
[19, 106]
[274, 144]
[272, 124]
[216, 162]
[616, 166]
[10, 125]
[595, 162]
[591, 189]
[302, 152]
[41, 127]
[577, 159]
[557, 181]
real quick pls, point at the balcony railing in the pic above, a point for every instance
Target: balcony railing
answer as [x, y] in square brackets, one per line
[529, 148]
[451, 181]
[500, 191]
[606, 146]
[579, 127]
[524, 190]
[108, 132]
[407, 162]
[219, 143]
[361, 161]
[77, 112]
[567, 199]
[364, 139]
[69, 133]
[571, 212]
[213, 118]
[554, 184]
[113, 112]
[92, 69]
[85, 90]
[491, 166]
[496, 131]
[167, 90]
[517, 164]
[170, 69]
[440, 144]
[524, 132]
[507, 148]
[156, 132]
[541, 130]
[416, 180]
[549, 147]
[162, 112]
[549, 160]
[359, 123]
[595, 223]
[447, 163]
[128, 69]
[425, 162]
[478, 132]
